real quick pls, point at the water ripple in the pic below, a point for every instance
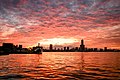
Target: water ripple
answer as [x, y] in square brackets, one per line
[13, 76]
[60, 66]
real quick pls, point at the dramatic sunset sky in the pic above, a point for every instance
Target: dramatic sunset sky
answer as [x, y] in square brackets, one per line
[60, 22]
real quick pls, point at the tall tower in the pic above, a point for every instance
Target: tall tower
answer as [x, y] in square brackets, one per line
[82, 42]
[51, 47]
[82, 46]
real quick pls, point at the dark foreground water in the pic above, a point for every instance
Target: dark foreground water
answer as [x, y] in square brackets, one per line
[60, 66]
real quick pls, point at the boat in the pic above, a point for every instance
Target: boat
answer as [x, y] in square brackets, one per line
[38, 50]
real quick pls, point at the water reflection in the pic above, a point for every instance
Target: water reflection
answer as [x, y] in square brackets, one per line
[82, 62]
[60, 66]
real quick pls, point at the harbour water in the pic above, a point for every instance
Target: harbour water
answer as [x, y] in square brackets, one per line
[61, 66]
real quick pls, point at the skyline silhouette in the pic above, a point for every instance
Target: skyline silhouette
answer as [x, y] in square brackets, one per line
[10, 48]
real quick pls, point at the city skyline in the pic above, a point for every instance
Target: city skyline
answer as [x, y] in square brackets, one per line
[12, 48]
[60, 22]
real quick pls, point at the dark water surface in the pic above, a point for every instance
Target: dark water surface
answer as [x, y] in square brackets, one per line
[60, 66]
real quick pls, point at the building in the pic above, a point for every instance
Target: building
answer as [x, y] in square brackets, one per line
[67, 48]
[64, 48]
[82, 46]
[20, 46]
[105, 49]
[51, 47]
[0, 48]
[8, 47]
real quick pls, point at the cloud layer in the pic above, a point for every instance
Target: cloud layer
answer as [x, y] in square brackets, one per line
[29, 21]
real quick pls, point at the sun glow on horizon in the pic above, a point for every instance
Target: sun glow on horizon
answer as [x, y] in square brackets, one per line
[58, 41]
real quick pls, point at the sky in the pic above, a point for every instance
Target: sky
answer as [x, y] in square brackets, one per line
[60, 22]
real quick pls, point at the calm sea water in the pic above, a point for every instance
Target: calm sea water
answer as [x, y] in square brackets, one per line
[60, 66]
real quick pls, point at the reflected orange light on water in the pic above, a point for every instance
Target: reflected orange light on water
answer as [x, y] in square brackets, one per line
[62, 65]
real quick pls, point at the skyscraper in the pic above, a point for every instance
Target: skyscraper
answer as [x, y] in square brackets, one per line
[82, 46]
[51, 47]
